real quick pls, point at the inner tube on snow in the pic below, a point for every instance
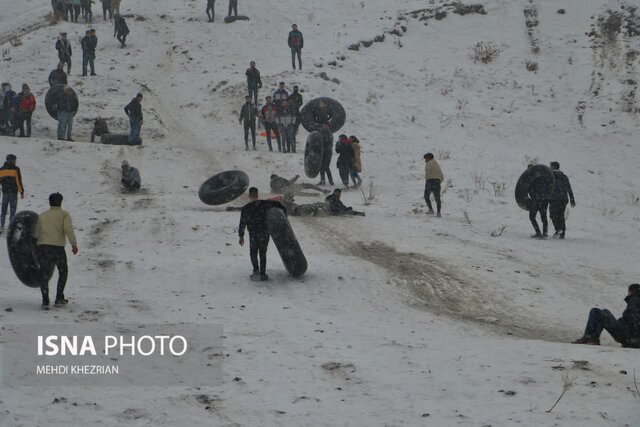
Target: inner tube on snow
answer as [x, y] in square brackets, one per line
[285, 240]
[313, 154]
[51, 99]
[526, 179]
[23, 252]
[321, 110]
[230, 19]
[119, 139]
[223, 187]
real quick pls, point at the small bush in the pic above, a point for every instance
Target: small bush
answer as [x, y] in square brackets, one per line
[479, 179]
[499, 188]
[370, 195]
[484, 52]
[532, 66]
[443, 154]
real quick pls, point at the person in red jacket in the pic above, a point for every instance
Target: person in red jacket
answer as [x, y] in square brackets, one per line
[296, 43]
[26, 105]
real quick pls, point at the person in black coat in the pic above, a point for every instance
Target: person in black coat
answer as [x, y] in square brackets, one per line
[89, 43]
[336, 207]
[253, 218]
[58, 76]
[134, 110]
[63, 46]
[562, 193]
[67, 104]
[248, 114]
[346, 155]
[625, 330]
[120, 30]
[539, 194]
[253, 81]
[295, 103]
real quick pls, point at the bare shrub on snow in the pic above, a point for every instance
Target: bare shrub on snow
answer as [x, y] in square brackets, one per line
[632, 198]
[443, 154]
[372, 98]
[16, 41]
[447, 184]
[499, 188]
[567, 383]
[528, 160]
[498, 231]
[532, 66]
[370, 195]
[479, 179]
[53, 18]
[484, 52]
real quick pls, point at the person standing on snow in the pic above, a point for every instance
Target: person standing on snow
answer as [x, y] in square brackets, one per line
[327, 152]
[58, 76]
[295, 103]
[63, 46]
[53, 229]
[562, 193]
[67, 109]
[26, 105]
[280, 94]
[345, 159]
[433, 178]
[233, 7]
[539, 195]
[107, 7]
[253, 81]
[296, 43]
[357, 162]
[8, 106]
[248, 114]
[269, 113]
[286, 121]
[625, 330]
[115, 5]
[211, 13]
[11, 181]
[253, 218]
[134, 110]
[87, 13]
[89, 43]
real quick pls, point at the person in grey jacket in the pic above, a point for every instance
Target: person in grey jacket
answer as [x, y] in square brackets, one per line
[130, 177]
[286, 119]
[560, 197]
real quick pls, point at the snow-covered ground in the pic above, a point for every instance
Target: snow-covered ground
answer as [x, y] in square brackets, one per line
[402, 319]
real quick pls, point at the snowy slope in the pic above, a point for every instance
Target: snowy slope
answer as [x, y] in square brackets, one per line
[401, 319]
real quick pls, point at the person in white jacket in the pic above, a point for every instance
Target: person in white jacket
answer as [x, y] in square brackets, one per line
[433, 178]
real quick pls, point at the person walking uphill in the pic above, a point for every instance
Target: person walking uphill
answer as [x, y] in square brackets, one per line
[346, 156]
[63, 46]
[67, 109]
[134, 110]
[433, 178]
[53, 229]
[560, 197]
[625, 330]
[253, 218]
[296, 43]
[248, 114]
[120, 30]
[89, 43]
[211, 13]
[253, 81]
[11, 180]
[539, 193]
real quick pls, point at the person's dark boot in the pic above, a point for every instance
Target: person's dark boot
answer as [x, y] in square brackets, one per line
[60, 302]
[537, 236]
[587, 340]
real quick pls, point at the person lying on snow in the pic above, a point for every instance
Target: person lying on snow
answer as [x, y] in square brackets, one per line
[625, 330]
[336, 207]
[282, 185]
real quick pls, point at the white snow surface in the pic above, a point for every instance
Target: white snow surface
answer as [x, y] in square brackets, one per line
[434, 321]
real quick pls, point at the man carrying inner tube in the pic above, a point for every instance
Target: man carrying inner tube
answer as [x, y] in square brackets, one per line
[253, 217]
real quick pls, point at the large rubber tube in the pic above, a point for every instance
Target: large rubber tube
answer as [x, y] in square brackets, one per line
[223, 187]
[527, 178]
[286, 242]
[51, 100]
[320, 110]
[22, 249]
[119, 139]
[313, 154]
[230, 19]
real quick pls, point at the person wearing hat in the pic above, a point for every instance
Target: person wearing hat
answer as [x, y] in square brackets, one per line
[89, 43]
[63, 46]
[130, 177]
[53, 229]
[433, 178]
[11, 181]
[280, 94]
[58, 76]
[625, 330]
[26, 105]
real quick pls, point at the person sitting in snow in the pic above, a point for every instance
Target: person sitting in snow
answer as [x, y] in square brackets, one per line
[130, 177]
[336, 207]
[625, 330]
[285, 186]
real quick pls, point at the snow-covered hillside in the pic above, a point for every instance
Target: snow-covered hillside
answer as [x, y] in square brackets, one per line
[402, 319]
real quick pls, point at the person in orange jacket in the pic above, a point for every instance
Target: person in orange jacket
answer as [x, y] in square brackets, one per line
[11, 181]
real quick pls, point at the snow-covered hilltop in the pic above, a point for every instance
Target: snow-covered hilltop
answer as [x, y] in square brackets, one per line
[402, 318]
